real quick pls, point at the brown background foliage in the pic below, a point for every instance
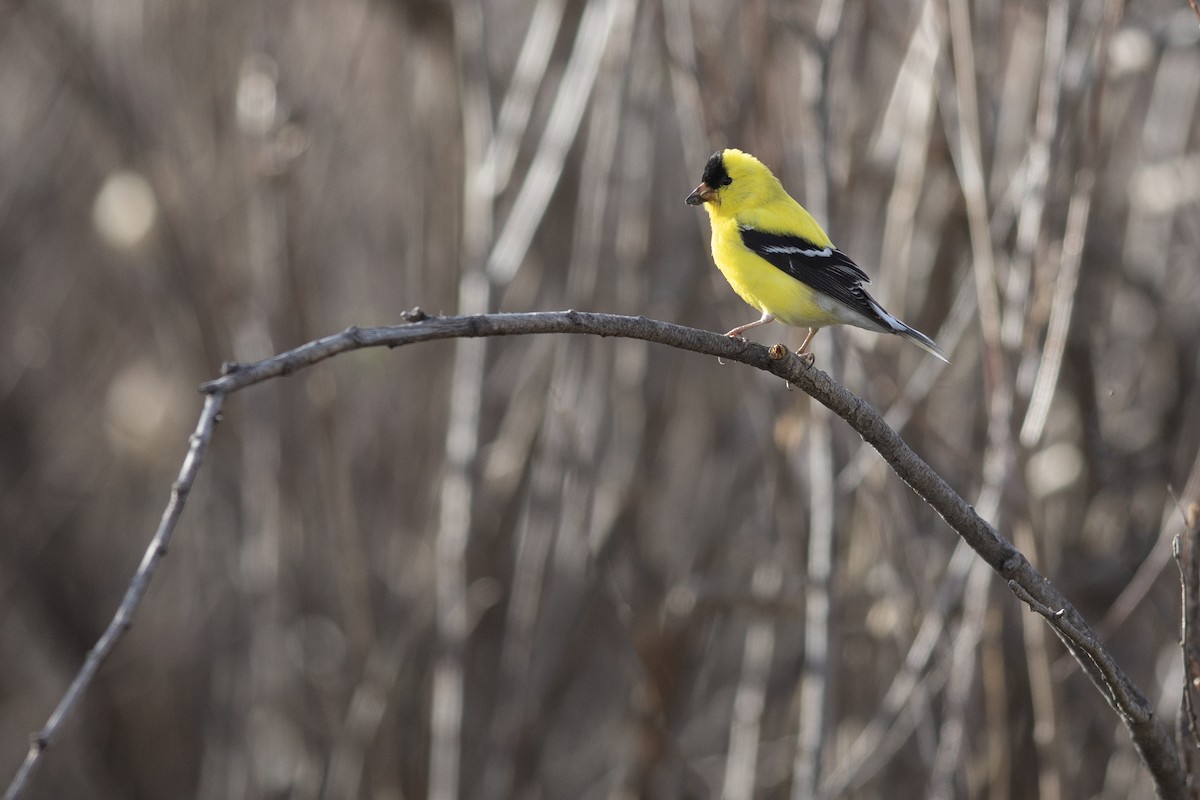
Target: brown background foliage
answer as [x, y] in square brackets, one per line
[640, 597]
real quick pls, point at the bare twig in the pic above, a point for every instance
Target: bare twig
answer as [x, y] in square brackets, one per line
[816, 148]
[1187, 556]
[1041, 690]
[1148, 571]
[971, 177]
[751, 698]
[818, 608]
[559, 134]
[123, 619]
[947, 761]
[1078, 213]
[528, 76]
[1150, 736]
[462, 428]
[903, 136]
[1039, 156]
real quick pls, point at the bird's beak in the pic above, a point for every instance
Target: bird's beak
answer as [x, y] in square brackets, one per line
[703, 194]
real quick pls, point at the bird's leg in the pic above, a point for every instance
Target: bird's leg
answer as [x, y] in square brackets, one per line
[740, 329]
[803, 351]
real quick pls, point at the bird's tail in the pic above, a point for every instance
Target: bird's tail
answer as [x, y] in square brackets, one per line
[914, 335]
[889, 323]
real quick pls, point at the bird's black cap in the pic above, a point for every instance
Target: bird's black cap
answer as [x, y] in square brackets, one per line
[715, 174]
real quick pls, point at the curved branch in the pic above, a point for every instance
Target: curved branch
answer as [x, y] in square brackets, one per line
[123, 619]
[1150, 736]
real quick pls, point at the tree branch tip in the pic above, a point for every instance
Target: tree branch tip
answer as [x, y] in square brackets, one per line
[1034, 604]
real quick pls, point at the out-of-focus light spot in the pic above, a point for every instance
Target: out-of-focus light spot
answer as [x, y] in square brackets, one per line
[884, 617]
[276, 749]
[681, 600]
[139, 410]
[125, 209]
[257, 101]
[1054, 469]
[1131, 51]
[1163, 187]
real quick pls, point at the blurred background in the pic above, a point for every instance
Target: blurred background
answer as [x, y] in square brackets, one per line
[565, 567]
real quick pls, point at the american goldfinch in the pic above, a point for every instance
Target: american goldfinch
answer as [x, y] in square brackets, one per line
[777, 258]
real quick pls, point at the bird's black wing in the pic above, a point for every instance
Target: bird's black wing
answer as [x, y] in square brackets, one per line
[824, 268]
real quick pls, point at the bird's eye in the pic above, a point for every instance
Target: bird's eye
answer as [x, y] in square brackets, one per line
[726, 180]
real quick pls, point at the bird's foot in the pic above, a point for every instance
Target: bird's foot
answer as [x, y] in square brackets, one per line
[808, 358]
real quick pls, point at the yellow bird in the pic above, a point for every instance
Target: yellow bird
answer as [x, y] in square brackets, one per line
[777, 258]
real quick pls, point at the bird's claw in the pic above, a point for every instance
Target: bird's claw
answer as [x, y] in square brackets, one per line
[808, 358]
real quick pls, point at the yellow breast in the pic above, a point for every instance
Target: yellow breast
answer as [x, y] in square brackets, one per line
[765, 286]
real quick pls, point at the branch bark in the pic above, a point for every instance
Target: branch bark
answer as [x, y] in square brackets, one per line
[1150, 736]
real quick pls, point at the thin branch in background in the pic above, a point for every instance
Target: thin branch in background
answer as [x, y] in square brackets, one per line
[997, 696]
[970, 172]
[903, 136]
[535, 530]
[685, 85]
[1042, 692]
[998, 456]
[542, 177]
[1137, 713]
[817, 151]
[201, 437]
[369, 701]
[908, 689]
[948, 762]
[527, 78]
[1039, 156]
[1187, 557]
[749, 701]
[1074, 237]
[455, 495]
[1138, 587]
[818, 611]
